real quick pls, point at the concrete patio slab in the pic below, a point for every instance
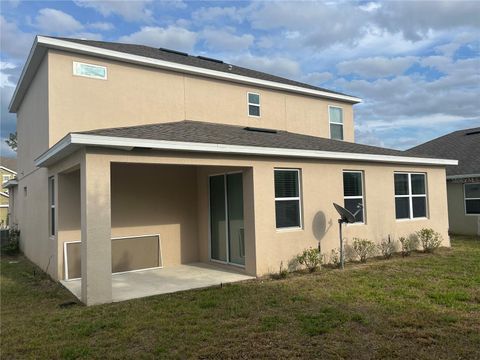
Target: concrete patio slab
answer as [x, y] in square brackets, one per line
[144, 283]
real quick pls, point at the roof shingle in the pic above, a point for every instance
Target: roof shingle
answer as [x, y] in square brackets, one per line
[185, 59]
[203, 132]
[462, 145]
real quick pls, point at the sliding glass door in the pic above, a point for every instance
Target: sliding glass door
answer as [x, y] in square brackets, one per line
[227, 242]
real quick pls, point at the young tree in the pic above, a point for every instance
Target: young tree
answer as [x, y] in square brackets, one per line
[12, 141]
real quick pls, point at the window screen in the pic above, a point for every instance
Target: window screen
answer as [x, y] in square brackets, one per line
[472, 198]
[410, 196]
[353, 193]
[336, 122]
[287, 198]
[253, 104]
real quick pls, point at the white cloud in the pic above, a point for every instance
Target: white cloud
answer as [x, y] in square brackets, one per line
[103, 26]
[56, 21]
[220, 40]
[375, 67]
[317, 78]
[137, 10]
[171, 37]
[15, 43]
[274, 65]
[304, 21]
[415, 19]
[210, 14]
[5, 80]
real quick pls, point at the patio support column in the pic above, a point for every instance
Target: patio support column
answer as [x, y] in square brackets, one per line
[96, 230]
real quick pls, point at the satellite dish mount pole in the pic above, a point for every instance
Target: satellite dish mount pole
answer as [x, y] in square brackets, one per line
[342, 257]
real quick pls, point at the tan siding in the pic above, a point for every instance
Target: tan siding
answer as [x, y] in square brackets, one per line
[135, 95]
[322, 185]
[459, 222]
[31, 209]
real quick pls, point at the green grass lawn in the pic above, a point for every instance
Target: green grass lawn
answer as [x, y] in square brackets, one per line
[426, 306]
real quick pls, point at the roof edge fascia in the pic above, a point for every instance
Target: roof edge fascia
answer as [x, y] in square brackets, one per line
[78, 140]
[47, 42]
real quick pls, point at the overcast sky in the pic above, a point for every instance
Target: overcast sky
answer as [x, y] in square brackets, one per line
[416, 65]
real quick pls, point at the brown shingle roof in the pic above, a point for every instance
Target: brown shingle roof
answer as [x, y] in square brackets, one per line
[203, 132]
[185, 59]
[463, 145]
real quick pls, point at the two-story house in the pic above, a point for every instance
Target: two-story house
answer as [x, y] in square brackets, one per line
[132, 157]
[7, 172]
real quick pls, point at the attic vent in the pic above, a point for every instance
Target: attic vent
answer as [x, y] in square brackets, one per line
[174, 51]
[473, 132]
[269, 131]
[210, 59]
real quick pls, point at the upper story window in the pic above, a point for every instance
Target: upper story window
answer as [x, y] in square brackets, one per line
[5, 178]
[287, 198]
[410, 196]
[472, 199]
[335, 116]
[89, 70]
[253, 101]
[353, 194]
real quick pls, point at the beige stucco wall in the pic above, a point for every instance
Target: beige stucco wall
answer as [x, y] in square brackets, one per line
[31, 204]
[135, 95]
[157, 200]
[321, 185]
[459, 222]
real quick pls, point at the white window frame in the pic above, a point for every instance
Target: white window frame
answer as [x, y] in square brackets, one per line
[297, 198]
[336, 123]
[5, 178]
[52, 206]
[88, 76]
[410, 196]
[356, 197]
[465, 198]
[253, 104]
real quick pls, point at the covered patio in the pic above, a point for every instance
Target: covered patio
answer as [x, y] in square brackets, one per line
[148, 224]
[138, 284]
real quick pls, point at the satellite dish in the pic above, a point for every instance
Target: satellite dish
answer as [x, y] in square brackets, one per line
[345, 215]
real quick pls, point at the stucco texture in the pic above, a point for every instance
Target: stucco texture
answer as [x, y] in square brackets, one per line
[460, 223]
[167, 193]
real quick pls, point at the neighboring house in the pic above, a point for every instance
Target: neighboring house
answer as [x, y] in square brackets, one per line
[463, 181]
[228, 165]
[7, 172]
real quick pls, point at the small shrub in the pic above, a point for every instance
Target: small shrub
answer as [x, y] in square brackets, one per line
[335, 257]
[430, 240]
[283, 273]
[409, 244]
[387, 248]
[363, 248]
[310, 258]
[12, 247]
